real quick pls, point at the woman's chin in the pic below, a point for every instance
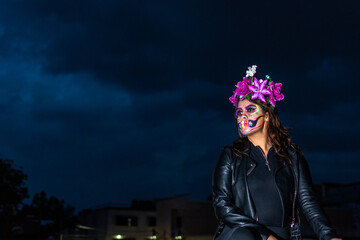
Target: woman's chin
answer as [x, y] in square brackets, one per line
[245, 132]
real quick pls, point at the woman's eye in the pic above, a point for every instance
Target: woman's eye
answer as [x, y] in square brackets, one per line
[238, 113]
[251, 110]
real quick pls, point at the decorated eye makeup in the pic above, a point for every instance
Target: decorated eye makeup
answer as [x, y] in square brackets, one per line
[250, 109]
[238, 112]
[250, 106]
[253, 109]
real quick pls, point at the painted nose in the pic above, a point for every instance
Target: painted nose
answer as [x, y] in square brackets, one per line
[242, 117]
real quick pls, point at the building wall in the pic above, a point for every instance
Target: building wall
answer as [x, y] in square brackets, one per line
[105, 224]
[192, 220]
[199, 219]
[165, 215]
[141, 231]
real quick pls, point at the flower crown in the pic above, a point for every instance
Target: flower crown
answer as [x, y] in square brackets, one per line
[251, 88]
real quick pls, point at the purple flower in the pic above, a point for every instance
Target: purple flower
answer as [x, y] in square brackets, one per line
[247, 81]
[276, 90]
[243, 88]
[272, 100]
[233, 99]
[259, 90]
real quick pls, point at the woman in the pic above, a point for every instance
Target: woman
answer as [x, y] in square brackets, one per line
[262, 180]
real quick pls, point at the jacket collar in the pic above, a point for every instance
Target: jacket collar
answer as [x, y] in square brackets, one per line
[250, 163]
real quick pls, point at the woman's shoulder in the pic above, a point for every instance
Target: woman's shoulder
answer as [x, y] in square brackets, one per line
[237, 148]
[240, 146]
[296, 154]
[226, 148]
[294, 147]
[226, 151]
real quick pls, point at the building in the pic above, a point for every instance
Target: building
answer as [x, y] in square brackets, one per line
[163, 219]
[110, 222]
[180, 219]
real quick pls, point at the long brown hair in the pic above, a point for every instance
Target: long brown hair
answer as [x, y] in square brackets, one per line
[277, 134]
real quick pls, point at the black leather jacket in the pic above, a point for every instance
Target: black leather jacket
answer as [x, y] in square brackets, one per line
[232, 201]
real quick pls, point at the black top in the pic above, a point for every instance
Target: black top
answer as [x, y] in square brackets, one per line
[263, 189]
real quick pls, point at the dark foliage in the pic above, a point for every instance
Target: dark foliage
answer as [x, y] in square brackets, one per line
[51, 214]
[12, 193]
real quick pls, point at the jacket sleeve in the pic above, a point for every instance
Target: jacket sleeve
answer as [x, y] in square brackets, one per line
[309, 204]
[223, 203]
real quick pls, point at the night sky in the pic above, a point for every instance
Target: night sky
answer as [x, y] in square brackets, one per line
[109, 101]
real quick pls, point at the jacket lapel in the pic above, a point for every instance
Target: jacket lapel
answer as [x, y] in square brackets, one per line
[250, 163]
[250, 166]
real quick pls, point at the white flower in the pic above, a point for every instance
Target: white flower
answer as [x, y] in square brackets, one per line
[251, 71]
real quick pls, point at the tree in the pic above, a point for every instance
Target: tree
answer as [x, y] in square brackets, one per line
[12, 192]
[12, 187]
[56, 215]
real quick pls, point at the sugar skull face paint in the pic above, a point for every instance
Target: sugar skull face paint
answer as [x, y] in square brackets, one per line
[249, 117]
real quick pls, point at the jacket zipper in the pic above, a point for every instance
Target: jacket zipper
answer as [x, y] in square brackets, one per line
[293, 212]
[294, 201]
[267, 164]
[266, 161]
[277, 188]
[282, 204]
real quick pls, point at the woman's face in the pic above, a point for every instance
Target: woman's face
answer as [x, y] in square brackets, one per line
[249, 117]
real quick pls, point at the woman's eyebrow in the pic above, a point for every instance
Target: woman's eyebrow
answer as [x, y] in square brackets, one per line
[250, 105]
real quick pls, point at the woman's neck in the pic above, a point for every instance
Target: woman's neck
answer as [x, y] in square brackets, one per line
[262, 141]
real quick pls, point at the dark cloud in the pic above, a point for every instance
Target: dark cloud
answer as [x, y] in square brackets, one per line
[128, 99]
[145, 46]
